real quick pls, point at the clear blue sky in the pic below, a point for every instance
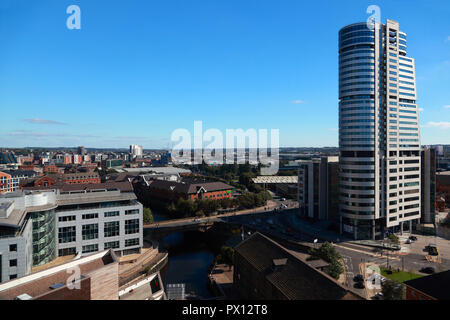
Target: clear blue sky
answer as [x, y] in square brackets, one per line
[137, 70]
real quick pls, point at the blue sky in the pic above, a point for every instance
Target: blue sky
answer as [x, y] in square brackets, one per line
[137, 70]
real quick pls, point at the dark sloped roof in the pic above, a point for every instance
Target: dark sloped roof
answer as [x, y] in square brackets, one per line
[443, 179]
[296, 280]
[14, 173]
[189, 186]
[435, 285]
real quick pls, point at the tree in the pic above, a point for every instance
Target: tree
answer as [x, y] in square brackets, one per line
[328, 253]
[394, 239]
[200, 213]
[148, 217]
[226, 256]
[392, 290]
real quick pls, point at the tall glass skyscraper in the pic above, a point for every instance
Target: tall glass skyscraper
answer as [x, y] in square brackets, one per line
[379, 137]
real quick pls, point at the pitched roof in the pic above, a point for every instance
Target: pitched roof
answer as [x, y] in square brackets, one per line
[15, 173]
[435, 285]
[189, 186]
[296, 279]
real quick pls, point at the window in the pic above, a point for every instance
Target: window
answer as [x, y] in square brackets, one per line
[112, 229]
[90, 216]
[66, 218]
[134, 211]
[131, 226]
[13, 247]
[112, 245]
[90, 248]
[131, 242]
[12, 276]
[13, 263]
[90, 231]
[66, 251]
[112, 214]
[66, 234]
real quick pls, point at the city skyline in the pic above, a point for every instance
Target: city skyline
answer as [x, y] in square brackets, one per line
[143, 62]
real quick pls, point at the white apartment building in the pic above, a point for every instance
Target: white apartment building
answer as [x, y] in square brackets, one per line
[379, 135]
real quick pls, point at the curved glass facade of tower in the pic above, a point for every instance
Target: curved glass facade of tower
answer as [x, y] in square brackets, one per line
[378, 131]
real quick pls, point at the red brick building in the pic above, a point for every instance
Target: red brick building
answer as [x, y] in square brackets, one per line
[26, 167]
[443, 184]
[189, 190]
[50, 169]
[68, 178]
[432, 287]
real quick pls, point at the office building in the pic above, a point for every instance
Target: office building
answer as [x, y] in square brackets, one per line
[36, 226]
[379, 137]
[318, 192]
[428, 184]
[136, 151]
[81, 150]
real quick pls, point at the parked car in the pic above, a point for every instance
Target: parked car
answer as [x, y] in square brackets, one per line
[378, 296]
[358, 278]
[432, 249]
[413, 238]
[427, 270]
[283, 199]
[408, 241]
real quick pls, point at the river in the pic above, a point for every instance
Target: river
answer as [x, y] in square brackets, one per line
[189, 260]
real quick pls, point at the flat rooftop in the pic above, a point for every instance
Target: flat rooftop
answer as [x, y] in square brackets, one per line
[39, 283]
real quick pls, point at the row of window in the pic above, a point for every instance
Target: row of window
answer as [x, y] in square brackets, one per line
[95, 215]
[90, 231]
[94, 247]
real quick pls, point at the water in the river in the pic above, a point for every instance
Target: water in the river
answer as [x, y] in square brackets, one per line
[189, 260]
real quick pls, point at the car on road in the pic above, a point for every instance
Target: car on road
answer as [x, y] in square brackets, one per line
[413, 238]
[283, 199]
[359, 285]
[427, 270]
[358, 278]
[408, 241]
[378, 296]
[432, 249]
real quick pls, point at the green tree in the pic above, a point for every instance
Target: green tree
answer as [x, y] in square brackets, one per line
[148, 217]
[394, 239]
[329, 254]
[392, 290]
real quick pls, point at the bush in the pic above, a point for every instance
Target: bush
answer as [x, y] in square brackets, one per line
[329, 254]
[148, 217]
